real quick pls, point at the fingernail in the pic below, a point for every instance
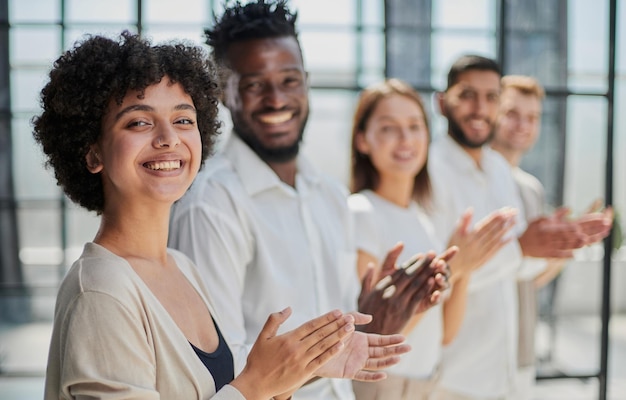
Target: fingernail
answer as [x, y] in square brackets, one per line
[383, 282]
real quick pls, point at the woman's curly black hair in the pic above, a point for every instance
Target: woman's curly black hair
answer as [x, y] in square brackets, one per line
[260, 19]
[97, 70]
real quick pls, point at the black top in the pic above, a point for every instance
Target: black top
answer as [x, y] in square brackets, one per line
[219, 363]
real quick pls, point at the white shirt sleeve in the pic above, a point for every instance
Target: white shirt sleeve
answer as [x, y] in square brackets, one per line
[366, 226]
[212, 235]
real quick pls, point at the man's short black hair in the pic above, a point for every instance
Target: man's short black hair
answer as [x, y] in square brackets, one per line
[471, 62]
[260, 19]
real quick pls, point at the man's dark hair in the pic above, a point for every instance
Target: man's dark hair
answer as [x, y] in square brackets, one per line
[260, 19]
[471, 62]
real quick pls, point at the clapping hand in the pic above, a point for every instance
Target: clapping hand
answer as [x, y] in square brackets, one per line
[479, 243]
[401, 292]
[365, 354]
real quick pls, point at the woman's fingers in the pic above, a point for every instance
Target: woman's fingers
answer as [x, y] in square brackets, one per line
[315, 324]
[369, 376]
[329, 345]
[273, 323]
[325, 337]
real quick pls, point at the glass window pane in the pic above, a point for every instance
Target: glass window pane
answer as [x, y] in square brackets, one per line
[31, 179]
[35, 45]
[40, 236]
[330, 122]
[587, 44]
[330, 57]
[167, 11]
[190, 33]
[536, 16]
[585, 151]
[325, 12]
[463, 14]
[26, 84]
[75, 34]
[373, 50]
[34, 11]
[124, 11]
[447, 47]
[373, 12]
[82, 226]
[621, 40]
[541, 56]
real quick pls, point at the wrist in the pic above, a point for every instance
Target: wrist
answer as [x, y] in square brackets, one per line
[250, 387]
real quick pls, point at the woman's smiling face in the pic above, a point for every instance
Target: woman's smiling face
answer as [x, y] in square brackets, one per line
[396, 137]
[150, 146]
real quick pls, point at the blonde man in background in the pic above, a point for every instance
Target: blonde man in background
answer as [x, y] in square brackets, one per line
[517, 131]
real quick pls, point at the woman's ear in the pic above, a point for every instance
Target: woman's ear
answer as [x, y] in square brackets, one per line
[360, 143]
[94, 164]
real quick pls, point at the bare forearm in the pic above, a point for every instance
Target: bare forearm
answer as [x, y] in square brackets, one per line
[554, 268]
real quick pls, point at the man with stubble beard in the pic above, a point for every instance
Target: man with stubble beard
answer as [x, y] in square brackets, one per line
[481, 362]
[265, 227]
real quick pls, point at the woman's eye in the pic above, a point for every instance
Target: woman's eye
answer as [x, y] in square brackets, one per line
[186, 121]
[133, 124]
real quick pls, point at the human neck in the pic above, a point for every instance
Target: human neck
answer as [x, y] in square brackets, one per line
[135, 231]
[397, 190]
[476, 153]
[286, 171]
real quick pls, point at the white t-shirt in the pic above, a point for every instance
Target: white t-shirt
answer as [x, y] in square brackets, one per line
[379, 225]
[482, 360]
[262, 245]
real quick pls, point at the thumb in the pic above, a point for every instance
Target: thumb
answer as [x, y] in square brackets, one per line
[274, 321]
[360, 318]
[561, 213]
[594, 206]
[463, 224]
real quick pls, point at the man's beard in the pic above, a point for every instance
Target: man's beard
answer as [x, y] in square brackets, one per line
[269, 154]
[459, 136]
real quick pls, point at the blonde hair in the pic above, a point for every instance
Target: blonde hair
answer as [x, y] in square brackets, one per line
[525, 84]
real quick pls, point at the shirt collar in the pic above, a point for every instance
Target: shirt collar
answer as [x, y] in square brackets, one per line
[256, 176]
[462, 160]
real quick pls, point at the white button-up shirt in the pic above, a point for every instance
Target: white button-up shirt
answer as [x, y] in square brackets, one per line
[482, 360]
[262, 245]
[381, 224]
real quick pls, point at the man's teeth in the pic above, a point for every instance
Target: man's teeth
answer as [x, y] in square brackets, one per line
[164, 165]
[477, 124]
[276, 118]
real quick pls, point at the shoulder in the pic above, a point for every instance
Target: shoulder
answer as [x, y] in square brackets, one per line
[360, 203]
[215, 188]
[100, 274]
[497, 166]
[496, 160]
[325, 182]
[527, 180]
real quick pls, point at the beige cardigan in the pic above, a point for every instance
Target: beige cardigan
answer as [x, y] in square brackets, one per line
[113, 339]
